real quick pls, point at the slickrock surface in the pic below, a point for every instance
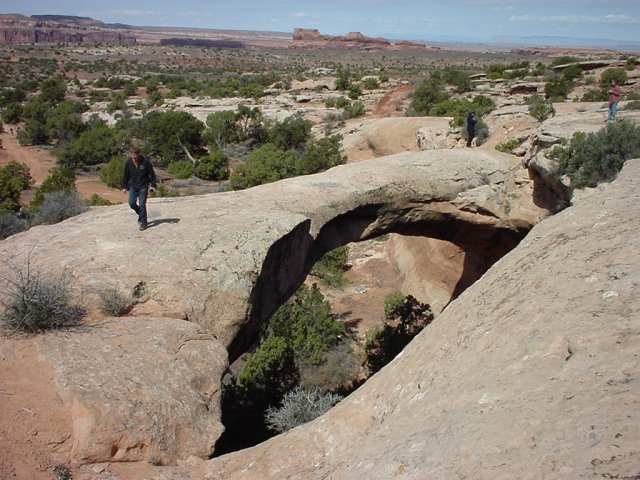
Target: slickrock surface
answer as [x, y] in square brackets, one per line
[531, 373]
[211, 269]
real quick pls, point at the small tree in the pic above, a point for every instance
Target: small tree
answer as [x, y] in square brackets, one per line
[557, 88]
[111, 173]
[181, 169]
[59, 180]
[539, 108]
[404, 319]
[263, 165]
[330, 268]
[290, 134]
[14, 178]
[617, 74]
[214, 166]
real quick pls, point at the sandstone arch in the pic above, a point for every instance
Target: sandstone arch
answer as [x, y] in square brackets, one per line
[216, 266]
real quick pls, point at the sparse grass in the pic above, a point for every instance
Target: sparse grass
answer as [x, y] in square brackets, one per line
[300, 406]
[34, 303]
[508, 145]
[114, 303]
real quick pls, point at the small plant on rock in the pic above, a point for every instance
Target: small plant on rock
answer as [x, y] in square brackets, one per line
[508, 145]
[300, 406]
[114, 303]
[33, 303]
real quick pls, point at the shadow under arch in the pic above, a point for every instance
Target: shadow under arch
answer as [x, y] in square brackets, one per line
[290, 259]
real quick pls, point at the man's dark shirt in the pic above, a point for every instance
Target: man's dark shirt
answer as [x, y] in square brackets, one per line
[140, 176]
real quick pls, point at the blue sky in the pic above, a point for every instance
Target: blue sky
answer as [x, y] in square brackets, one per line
[465, 20]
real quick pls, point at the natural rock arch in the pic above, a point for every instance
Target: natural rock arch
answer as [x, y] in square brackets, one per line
[224, 263]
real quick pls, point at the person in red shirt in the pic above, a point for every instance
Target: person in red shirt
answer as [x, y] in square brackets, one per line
[614, 98]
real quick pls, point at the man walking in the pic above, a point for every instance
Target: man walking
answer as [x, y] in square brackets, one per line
[471, 127]
[138, 179]
[614, 98]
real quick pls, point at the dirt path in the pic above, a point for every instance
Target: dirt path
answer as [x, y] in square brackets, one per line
[387, 105]
[37, 159]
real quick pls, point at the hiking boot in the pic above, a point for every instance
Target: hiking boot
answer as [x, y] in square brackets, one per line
[143, 226]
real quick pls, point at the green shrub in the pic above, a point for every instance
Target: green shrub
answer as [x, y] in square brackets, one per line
[111, 173]
[181, 168]
[299, 406]
[33, 303]
[94, 146]
[10, 224]
[14, 178]
[62, 472]
[539, 108]
[617, 74]
[214, 166]
[633, 105]
[572, 72]
[58, 206]
[163, 191]
[391, 303]
[429, 93]
[114, 303]
[631, 63]
[12, 113]
[330, 268]
[263, 165]
[290, 134]
[403, 321]
[508, 145]
[97, 201]
[320, 156]
[557, 88]
[595, 95]
[564, 59]
[633, 96]
[598, 157]
[371, 83]
[354, 110]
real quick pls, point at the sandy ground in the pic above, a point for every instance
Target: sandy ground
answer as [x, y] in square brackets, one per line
[40, 161]
[32, 417]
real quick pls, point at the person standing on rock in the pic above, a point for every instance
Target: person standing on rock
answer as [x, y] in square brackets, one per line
[138, 179]
[471, 127]
[614, 98]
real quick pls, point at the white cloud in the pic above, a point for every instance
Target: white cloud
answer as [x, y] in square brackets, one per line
[299, 15]
[606, 19]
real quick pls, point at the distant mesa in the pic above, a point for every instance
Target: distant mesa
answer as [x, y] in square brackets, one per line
[311, 38]
[20, 29]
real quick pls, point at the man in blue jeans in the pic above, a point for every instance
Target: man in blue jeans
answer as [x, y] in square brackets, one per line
[138, 179]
